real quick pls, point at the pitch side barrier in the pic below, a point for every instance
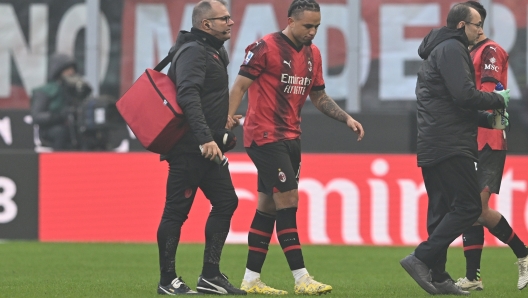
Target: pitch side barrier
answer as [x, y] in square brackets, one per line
[345, 199]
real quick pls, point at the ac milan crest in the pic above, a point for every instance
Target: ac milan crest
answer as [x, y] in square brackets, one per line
[282, 176]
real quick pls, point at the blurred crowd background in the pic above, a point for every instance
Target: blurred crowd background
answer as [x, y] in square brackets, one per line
[370, 64]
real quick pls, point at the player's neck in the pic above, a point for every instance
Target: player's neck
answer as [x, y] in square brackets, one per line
[288, 34]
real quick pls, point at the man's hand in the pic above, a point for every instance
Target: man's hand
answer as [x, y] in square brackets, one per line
[491, 120]
[356, 127]
[210, 151]
[506, 119]
[506, 95]
[233, 121]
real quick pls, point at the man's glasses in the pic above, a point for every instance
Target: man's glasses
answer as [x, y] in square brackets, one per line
[225, 19]
[476, 25]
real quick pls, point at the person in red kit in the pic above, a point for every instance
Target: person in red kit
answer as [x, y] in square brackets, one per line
[280, 71]
[491, 67]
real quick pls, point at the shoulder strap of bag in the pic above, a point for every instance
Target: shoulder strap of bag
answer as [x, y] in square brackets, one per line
[171, 57]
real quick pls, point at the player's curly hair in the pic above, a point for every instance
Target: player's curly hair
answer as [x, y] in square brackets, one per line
[299, 6]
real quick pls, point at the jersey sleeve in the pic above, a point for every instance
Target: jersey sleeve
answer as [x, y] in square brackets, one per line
[318, 81]
[492, 62]
[255, 61]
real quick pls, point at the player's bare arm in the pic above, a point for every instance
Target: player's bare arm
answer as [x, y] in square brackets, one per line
[236, 94]
[329, 107]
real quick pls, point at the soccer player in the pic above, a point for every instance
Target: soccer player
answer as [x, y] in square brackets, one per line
[491, 67]
[280, 71]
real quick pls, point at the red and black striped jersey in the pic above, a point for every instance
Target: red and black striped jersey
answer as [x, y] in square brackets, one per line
[491, 67]
[283, 76]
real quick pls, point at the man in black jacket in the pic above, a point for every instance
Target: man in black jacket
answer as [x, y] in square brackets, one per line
[53, 104]
[200, 76]
[448, 105]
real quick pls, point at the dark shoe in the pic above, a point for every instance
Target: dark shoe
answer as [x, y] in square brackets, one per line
[176, 287]
[448, 287]
[419, 272]
[217, 285]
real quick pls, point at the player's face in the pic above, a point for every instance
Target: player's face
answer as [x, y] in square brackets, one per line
[304, 26]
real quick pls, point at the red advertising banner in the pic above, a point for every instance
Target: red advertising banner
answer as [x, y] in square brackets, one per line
[346, 199]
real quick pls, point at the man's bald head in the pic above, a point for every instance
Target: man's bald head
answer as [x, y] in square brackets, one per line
[203, 10]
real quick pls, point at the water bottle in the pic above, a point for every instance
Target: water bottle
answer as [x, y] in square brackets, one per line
[217, 159]
[499, 121]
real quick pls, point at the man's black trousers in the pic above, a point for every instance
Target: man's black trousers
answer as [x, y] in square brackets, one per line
[187, 172]
[454, 205]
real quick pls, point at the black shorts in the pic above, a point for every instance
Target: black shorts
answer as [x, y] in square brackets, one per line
[490, 168]
[278, 165]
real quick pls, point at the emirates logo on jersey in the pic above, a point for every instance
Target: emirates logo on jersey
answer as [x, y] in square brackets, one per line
[295, 84]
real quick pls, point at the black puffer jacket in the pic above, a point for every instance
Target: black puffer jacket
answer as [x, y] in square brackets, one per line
[448, 102]
[200, 76]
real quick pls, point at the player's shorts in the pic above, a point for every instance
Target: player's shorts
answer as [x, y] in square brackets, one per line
[490, 168]
[278, 165]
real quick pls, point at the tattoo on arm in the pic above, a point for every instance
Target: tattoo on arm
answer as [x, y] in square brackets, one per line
[328, 106]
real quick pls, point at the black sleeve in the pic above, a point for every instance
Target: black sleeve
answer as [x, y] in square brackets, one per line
[189, 71]
[455, 65]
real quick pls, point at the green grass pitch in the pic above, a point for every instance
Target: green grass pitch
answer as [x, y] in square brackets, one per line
[33, 269]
